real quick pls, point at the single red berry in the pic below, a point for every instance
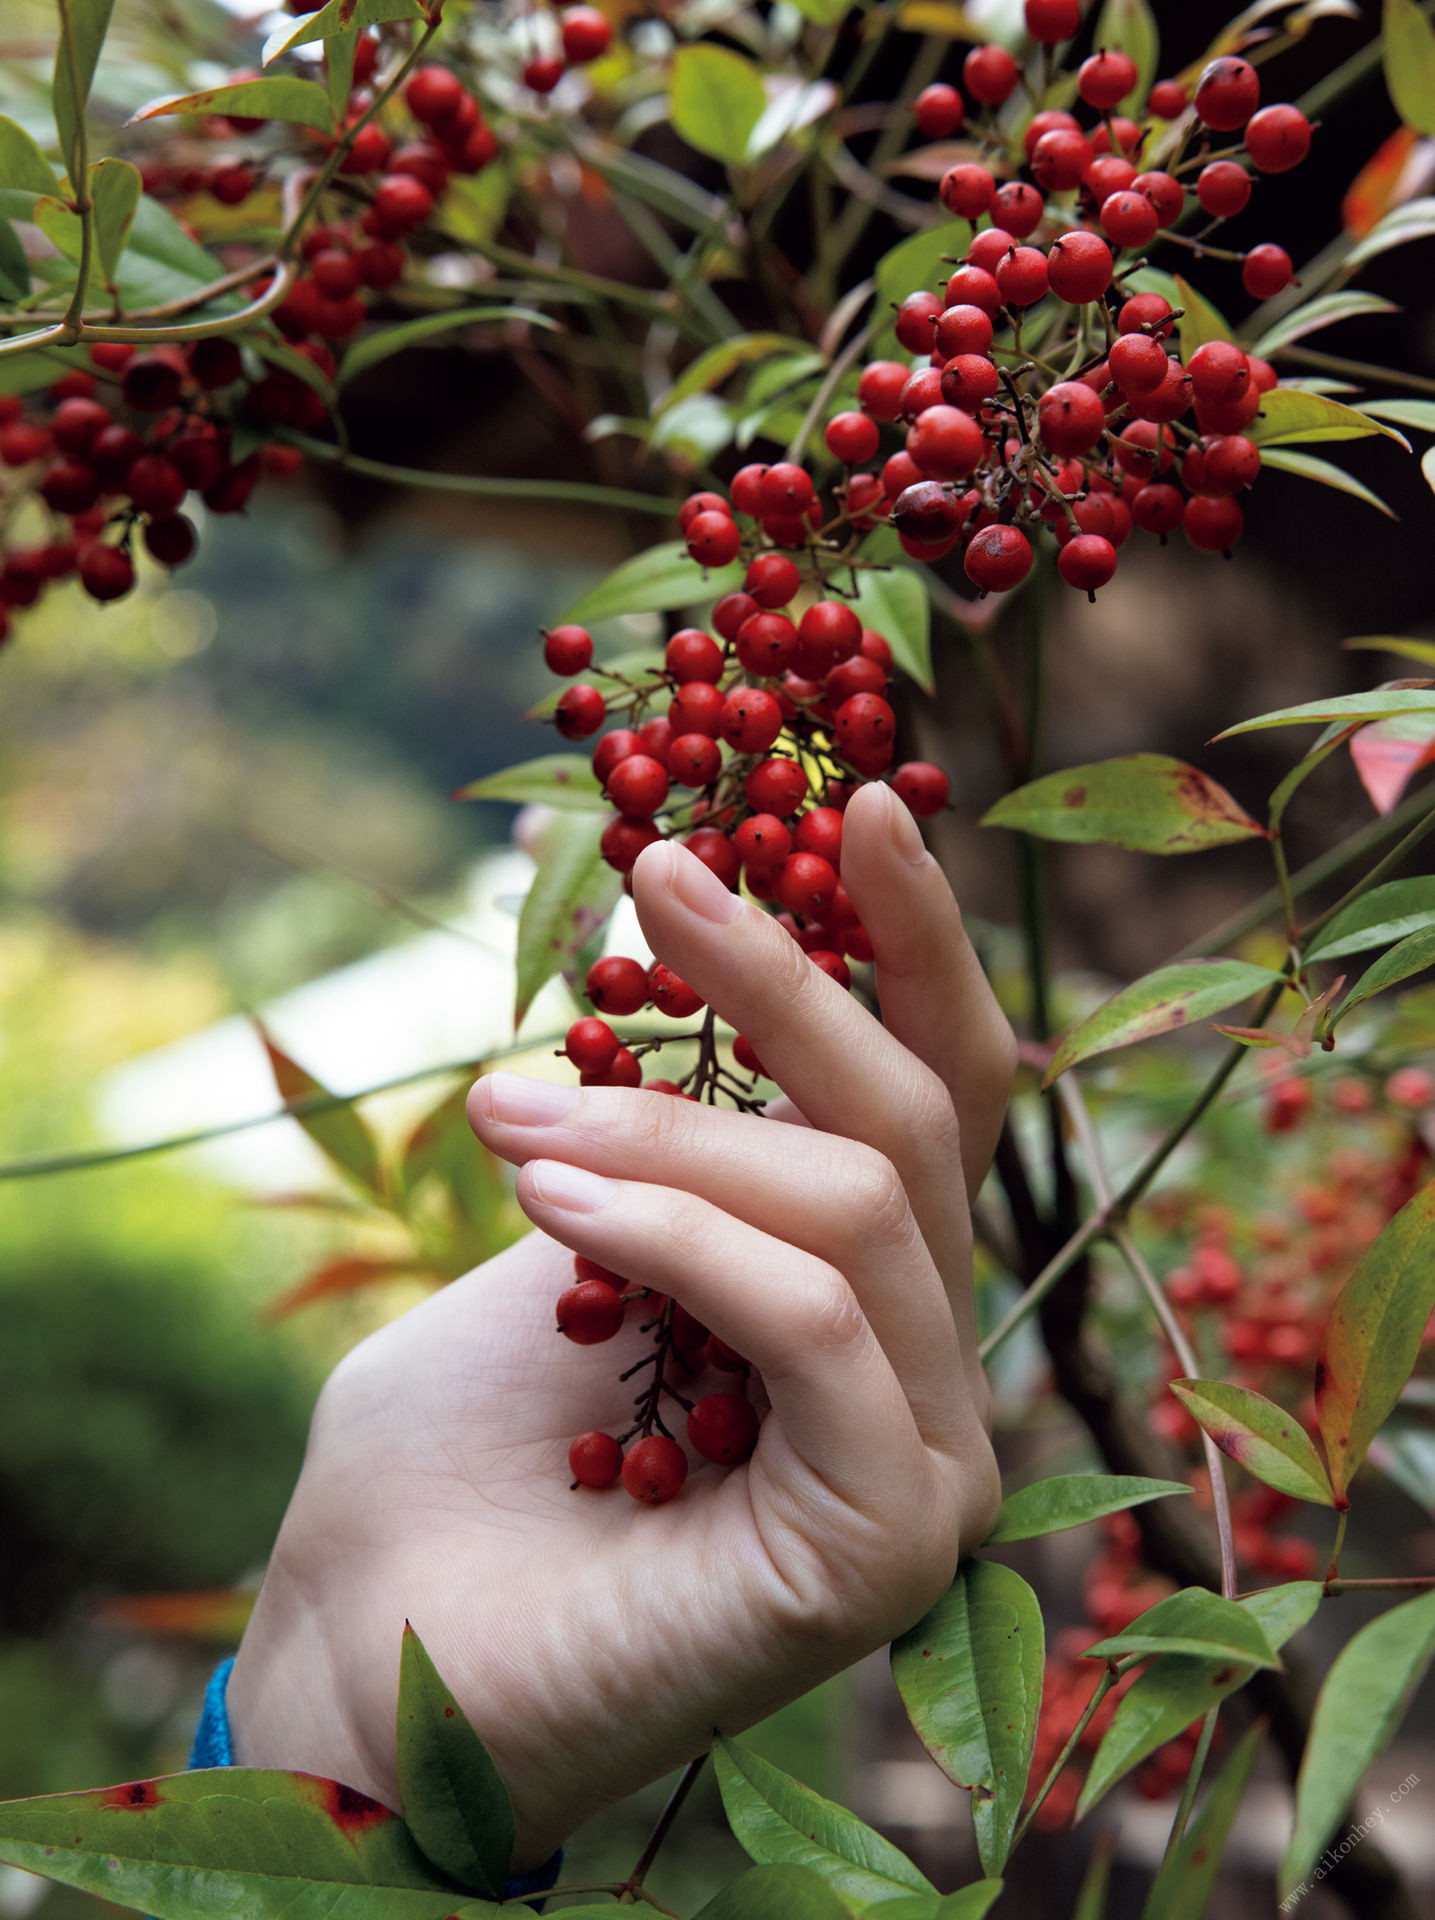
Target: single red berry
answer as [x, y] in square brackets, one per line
[864, 725]
[586, 35]
[828, 632]
[926, 513]
[746, 1057]
[1022, 277]
[567, 649]
[612, 748]
[772, 580]
[785, 489]
[542, 73]
[106, 573]
[1145, 312]
[1143, 449]
[171, 541]
[1220, 373]
[963, 329]
[1167, 99]
[381, 264]
[215, 363]
[923, 390]
[401, 204]
[1018, 207]
[155, 485]
[579, 712]
[590, 1313]
[77, 384]
[746, 489]
[805, 884]
[722, 1427]
[1157, 507]
[946, 443]
[368, 153]
[152, 381]
[432, 94]
[974, 287]
[857, 675]
[70, 486]
[998, 558]
[590, 1044]
[820, 831]
[1052, 20]
[1129, 219]
[654, 1470]
[1105, 79]
[1079, 266]
[728, 616]
[670, 995]
[595, 1460]
[1278, 138]
[914, 321]
[1213, 523]
[852, 438]
[717, 853]
[989, 74]
[694, 760]
[617, 985]
[751, 719]
[692, 655]
[1086, 562]
[989, 248]
[1227, 93]
[1223, 188]
[766, 644]
[76, 424]
[922, 788]
[879, 390]
[638, 786]
[762, 842]
[861, 497]
[1168, 401]
[776, 787]
[898, 473]
[1232, 464]
[697, 503]
[832, 964]
[624, 1070]
[697, 707]
[22, 441]
[1137, 363]
[1071, 417]
[713, 539]
[1266, 270]
[335, 272]
[1060, 159]
[939, 111]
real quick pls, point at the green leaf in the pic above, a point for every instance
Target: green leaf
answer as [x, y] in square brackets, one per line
[1419, 414]
[1182, 1887]
[970, 1676]
[61, 226]
[894, 603]
[1381, 704]
[1200, 322]
[339, 70]
[338, 1133]
[1408, 48]
[1359, 1707]
[710, 369]
[967, 1903]
[698, 428]
[1421, 650]
[455, 1804]
[1162, 1002]
[1288, 415]
[1411, 955]
[1372, 1338]
[777, 1820]
[921, 260]
[304, 102]
[1262, 1437]
[1195, 1622]
[573, 892]
[717, 100]
[115, 189]
[658, 580]
[14, 267]
[380, 346]
[1130, 26]
[557, 780]
[233, 1840]
[340, 16]
[1377, 918]
[1325, 312]
[83, 26]
[22, 165]
[158, 237]
[778, 1892]
[1414, 221]
[1285, 460]
[1071, 1499]
[1145, 802]
[1162, 1703]
[1283, 1611]
[822, 13]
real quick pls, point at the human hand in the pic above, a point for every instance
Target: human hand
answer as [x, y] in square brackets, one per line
[595, 1643]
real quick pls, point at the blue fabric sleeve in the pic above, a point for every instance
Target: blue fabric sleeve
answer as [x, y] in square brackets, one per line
[214, 1747]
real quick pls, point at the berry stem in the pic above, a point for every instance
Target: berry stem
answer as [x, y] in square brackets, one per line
[1193, 1782]
[1099, 1693]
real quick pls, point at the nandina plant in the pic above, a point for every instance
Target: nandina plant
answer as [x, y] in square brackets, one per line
[1018, 387]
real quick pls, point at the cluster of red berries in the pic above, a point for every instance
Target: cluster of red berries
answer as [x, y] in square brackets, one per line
[1126, 434]
[722, 1426]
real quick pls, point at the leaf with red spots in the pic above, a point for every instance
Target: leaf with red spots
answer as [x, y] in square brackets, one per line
[1161, 1002]
[337, 1131]
[1182, 1888]
[454, 1801]
[970, 1676]
[277, 98]
[233, 1840]
[1145, 802]
[1372, 1339]
[1262, 1437]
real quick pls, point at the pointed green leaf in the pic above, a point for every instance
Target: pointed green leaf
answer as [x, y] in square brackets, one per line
[778, 1892]
[61, 226]
[1162, 1703]
[340, 16]
[156, 236]
[1414, 221]
[893, 601]
[1195, 1622]
[115, 188]
[338, 1132]
[1377, 919]
[1096, 1881]
[304, 102]
[1283, 1611]
[1182, 1887]
[1408, 47]
[14, 267]
[778, 1820]
[1130, 27]
[377, 347]
[1325, 312]
[233, 1841]
[1419, 414]
[1145, 802]
[1308, 467]
[83, 26]
[1413, 955]
[710, 369]
[1288, 414]
[1358, 1710]
[22, 164]
[339, 70]
[970, 1677]
[1372, 1338]
[921, 260]
[658, 580]
[557, 780]
[717, 100]
[1260, 1436]
[1071, 1499]
[573, 892]
[1382, 703]
[1162, 1002]
[1200, 322]
[455, 1803]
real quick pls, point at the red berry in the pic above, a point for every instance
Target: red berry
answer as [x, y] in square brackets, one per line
[579, 712]
[915, 317]
[722, 1427]
[922, 788]
[1168, 401]
[746, 489]
[401, 204]
[785, 490]
[1105, 79]
[1018, 207]
[567, 649]
[335, 272]
[805, 884]
[171, 540]
[939, 111]
[368, 153]
[1145, 312]
[595, 1460]
[829, 632]
[697, 503]
[879, 390]
[857, 675]
[1220, 373]
[762, 842]
[1087, 562]
[1167, 99]
[654, 1470]
[70, 486]
[623, 840]
[713, 539]
[1060, 159]
[1129, 219]
[626, 1070]
[746, 1057]
[1266, 270]
[590, 1313]
[717, 853]
[616, 985]
[22, 441]
[542, 73]
[432, 94]
[776, 787]
[215, 363]
[946, 443]
[923, 390]
[1022, 277]
[832, 964]
[1278, 138]
[751, 719]
[590, 1044]
[772, 580]
[76, 424]
[1232, 463]
[1079, 267]
[1051, 20]
[670, 995]
[974, 287]
[612, 748]
[1213, 523]
[152, 381]
[694, 760]
[1227, 93]
[820, 831]
[1137, 363]
[766, 643]
[586, 35]
[1157, 508]
[106, 573]
[990, 74]
[864, 725]
[926, 513]
[998, 558]
[1223, 188]
[962, 329]
[155, 485]
[852, 438]
[638, 786]
[1071, 417]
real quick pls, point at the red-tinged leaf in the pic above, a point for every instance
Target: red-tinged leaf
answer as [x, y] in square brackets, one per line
[233, 1841]
[1142, 801]
[219, 1617]
[279, 98]
[1290, 1043]
[1165, 1001]
[1389, 755]
[1376, 188]
[454, 1800]
[1372, 1339]
[339, 1277]
[337, 1131]
[1381, 703]
[1260, 1436]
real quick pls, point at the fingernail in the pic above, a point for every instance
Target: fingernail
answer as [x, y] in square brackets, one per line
[515, 1101]
[556, 1184]
[906, 834]
[699, 889]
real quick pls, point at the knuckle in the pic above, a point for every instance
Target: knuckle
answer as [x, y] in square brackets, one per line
[877, 1199]
[826, 1311]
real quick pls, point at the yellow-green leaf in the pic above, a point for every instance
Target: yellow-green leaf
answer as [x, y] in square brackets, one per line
[1306, 465]
[83, 26]
[1194, 1622]
[1145, 802]
[1259, 1435]
[1290, 414]
[1408, 45]
[340, 16]
[1071, 1499]
[1383, 703]
[1165, 1001]
[377, 347]
[338, 1132]
[280, 97]
[22, 165]
[573, 892]
[555, 780]
[454, 1800]
[717, 100]
[115, 189]
[1200, 322]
